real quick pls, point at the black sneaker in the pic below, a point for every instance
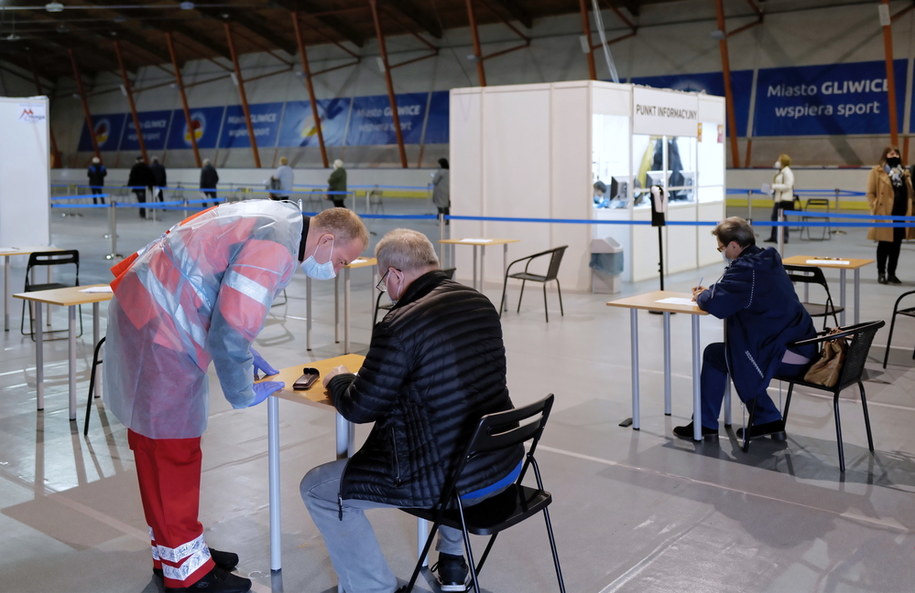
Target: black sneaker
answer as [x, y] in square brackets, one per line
[892, 279]
[452, 572]
[686, 432]
[224, 560]
[216, 581]
[775, 429]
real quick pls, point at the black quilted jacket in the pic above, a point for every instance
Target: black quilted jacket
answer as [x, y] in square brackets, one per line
[435, 365]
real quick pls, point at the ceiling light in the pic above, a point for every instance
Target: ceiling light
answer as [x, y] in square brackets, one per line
[186, 6]
[54, 7]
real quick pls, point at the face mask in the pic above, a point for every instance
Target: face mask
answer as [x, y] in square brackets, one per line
[777, 165]
[317, 271]
[893, 161]
[727, 261]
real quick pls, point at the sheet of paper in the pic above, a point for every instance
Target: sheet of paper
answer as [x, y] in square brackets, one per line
[97, 289]
[358, 260]
[476, 240]
[825, 260]
[678, 301]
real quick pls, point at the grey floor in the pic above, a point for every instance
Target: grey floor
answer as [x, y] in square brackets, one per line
[633, 512]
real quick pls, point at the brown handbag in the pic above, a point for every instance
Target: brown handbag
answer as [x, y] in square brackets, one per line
[825, 371]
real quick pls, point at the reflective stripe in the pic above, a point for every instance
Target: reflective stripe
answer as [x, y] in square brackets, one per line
[170, 302]
[188, 567]
[152, 538]
[248, 287]
[176, 555]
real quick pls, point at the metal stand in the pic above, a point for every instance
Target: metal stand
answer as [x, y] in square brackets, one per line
[112, 232]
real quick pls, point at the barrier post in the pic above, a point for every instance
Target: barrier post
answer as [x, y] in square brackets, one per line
[113, 231]
[749, 205]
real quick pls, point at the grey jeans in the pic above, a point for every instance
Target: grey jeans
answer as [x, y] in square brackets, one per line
[350, 540]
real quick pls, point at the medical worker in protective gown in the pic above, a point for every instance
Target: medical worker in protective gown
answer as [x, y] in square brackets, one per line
[200, 293]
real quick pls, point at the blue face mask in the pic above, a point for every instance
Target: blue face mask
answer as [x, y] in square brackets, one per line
[317, 271]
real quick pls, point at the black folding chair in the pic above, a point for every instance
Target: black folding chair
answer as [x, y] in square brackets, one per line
[812, 276]
[501, 431]
[551, 275]
[49, 260]
[906, 311]
[860, 336]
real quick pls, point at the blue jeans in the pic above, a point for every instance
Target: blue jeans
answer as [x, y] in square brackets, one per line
[350, 540]
[713, 381]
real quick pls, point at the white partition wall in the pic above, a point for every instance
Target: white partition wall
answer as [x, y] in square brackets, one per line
[534, 151]
[24, 172]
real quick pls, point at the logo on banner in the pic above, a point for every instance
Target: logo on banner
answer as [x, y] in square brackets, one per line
[102, 131]
[197, 127]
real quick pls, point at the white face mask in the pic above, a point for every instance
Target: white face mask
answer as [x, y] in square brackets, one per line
[727, 261]
[317, 271]
[777, 165]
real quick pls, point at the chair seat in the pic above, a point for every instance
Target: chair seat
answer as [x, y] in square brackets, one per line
[528, 276]
[821, 310]
[906, 312]
[509, 507]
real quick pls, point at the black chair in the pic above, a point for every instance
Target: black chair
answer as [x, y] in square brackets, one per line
[501, 431]
[551, 275]
[860, 336]
[96, 360]
[812, 276]
[388, 306]
[908, 312]
[48, 260]
[817, 205]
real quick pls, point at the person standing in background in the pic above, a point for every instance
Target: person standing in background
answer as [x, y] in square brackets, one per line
[159, 178]
[285, 178]
[889, 192]
[782, 194]
[96, 174]
[208, 180]
[337, 183]
[140, 181]
[441, 189]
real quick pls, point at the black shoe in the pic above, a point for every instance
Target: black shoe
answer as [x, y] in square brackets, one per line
[892, 279]
[224, 560]
[217, 581]
[881, 278]
[775, 429]
[452, 572]
[686, 432]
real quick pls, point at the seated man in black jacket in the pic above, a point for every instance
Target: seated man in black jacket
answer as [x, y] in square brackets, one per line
[435, 365]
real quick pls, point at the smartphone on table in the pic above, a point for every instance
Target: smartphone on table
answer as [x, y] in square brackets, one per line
[309, 376]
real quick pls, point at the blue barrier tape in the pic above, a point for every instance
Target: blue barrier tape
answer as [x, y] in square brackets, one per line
[79, 197]
[71, 206]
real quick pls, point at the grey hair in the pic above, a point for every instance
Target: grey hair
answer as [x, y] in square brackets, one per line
[405, 249]
[736, 229]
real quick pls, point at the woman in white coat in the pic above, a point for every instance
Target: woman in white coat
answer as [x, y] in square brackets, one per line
[782, 194]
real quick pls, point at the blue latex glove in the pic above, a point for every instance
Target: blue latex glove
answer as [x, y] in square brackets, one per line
[264, 389]
[262, 365]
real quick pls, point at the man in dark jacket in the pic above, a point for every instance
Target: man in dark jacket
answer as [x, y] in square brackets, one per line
[435, 365]
[140, 181]
[762, 316]
[159, 178]
[97, 173]
[208, 180]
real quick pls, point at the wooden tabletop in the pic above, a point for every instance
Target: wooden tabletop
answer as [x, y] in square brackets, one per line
[25, 250]
[317, 395]
[66, 297]
[652, 301]
[847, 263]
[478, 241]
[361, 262]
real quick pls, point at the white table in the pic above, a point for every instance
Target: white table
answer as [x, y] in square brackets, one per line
[836, 263]
[359, 262]
[479, 247]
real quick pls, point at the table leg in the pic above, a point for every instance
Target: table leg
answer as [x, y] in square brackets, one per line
[666, 363]
[422, 532]
[842, 295]
[6, 293]
[39, 357]
[475, 247]
[308, 314]
[634, 340]
[857, 282]
[482, 265]
[346, 287]
[273, 464]
[344, 437]
[697, 402]
[71, 347]
[336, 309]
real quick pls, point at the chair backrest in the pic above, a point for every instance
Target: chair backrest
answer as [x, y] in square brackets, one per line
[52, 258]
[821, 203]
[862, 336]
[809, 275]
[555, 259]
[502, 431]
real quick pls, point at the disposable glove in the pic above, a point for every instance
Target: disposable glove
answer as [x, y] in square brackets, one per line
[262, 365]
[264, 389]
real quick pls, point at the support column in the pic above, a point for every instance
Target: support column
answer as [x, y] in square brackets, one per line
[306, 70]
[180, 82]
[887, 24]
[586, 29]
[129, 91]
[475, 35]
[240, 83]
[728, 94]
[82, 97]
[55, 153]
[390, 83]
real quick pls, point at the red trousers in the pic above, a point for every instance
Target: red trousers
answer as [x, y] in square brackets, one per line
[169, 474]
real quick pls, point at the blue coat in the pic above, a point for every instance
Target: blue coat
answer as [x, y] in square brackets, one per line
[762, 316]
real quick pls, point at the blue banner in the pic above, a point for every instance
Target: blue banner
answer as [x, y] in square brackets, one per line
[298, 127]
[836, 99]
[372, 124]
[154, 125]
[108, 130]
[437, 123]
[204, 123]
[713, 84]
[265, 121]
